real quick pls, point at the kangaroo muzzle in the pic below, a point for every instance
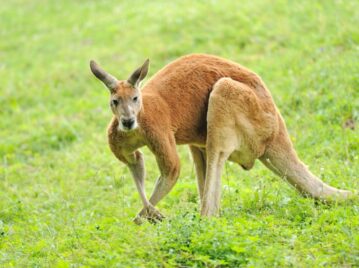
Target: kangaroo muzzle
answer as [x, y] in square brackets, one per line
[128, 123]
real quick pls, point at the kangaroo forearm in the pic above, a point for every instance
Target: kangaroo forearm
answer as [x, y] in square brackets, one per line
[138, 173]
[162, 187]
[138, 177]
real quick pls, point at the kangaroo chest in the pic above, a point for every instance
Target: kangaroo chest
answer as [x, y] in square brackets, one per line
[124, 143]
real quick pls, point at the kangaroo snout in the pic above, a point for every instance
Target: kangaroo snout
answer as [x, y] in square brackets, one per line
[128, 123]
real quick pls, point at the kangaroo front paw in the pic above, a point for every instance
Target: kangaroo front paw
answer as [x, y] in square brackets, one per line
[150, 213]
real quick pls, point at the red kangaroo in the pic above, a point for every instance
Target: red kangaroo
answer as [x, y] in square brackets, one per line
[222, 110]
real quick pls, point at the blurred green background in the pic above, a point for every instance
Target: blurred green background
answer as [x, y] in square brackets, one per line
[65, 201]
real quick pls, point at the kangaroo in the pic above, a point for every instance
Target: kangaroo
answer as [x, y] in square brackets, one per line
[222, 110]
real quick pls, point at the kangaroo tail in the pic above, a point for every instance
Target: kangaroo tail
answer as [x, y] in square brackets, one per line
[281, 158]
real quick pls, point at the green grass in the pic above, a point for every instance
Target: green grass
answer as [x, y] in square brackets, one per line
[65, 201]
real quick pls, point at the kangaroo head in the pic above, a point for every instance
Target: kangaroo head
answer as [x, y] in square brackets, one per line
[125, 100]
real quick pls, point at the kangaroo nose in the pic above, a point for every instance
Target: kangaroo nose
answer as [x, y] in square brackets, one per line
[127, 123]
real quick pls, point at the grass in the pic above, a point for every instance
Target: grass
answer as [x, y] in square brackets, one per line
[65, 201]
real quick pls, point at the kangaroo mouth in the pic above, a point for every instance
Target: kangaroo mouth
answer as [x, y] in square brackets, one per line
[125, 128]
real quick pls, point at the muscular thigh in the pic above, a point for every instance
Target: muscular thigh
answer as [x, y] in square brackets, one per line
[236, 122]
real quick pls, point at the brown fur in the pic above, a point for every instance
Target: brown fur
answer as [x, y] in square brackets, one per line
[243, 125]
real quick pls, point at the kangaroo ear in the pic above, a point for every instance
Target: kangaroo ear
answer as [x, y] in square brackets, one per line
[109, 81]
[139, 74]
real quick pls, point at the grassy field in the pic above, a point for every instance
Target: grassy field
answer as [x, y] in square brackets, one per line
[65, 201]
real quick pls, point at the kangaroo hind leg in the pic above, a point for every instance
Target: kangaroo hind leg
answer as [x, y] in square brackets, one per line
[222, 141]
[199, 159]
[212, 189]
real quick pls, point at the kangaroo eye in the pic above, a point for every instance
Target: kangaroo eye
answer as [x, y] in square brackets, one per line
[135, 99]
[114, 102]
